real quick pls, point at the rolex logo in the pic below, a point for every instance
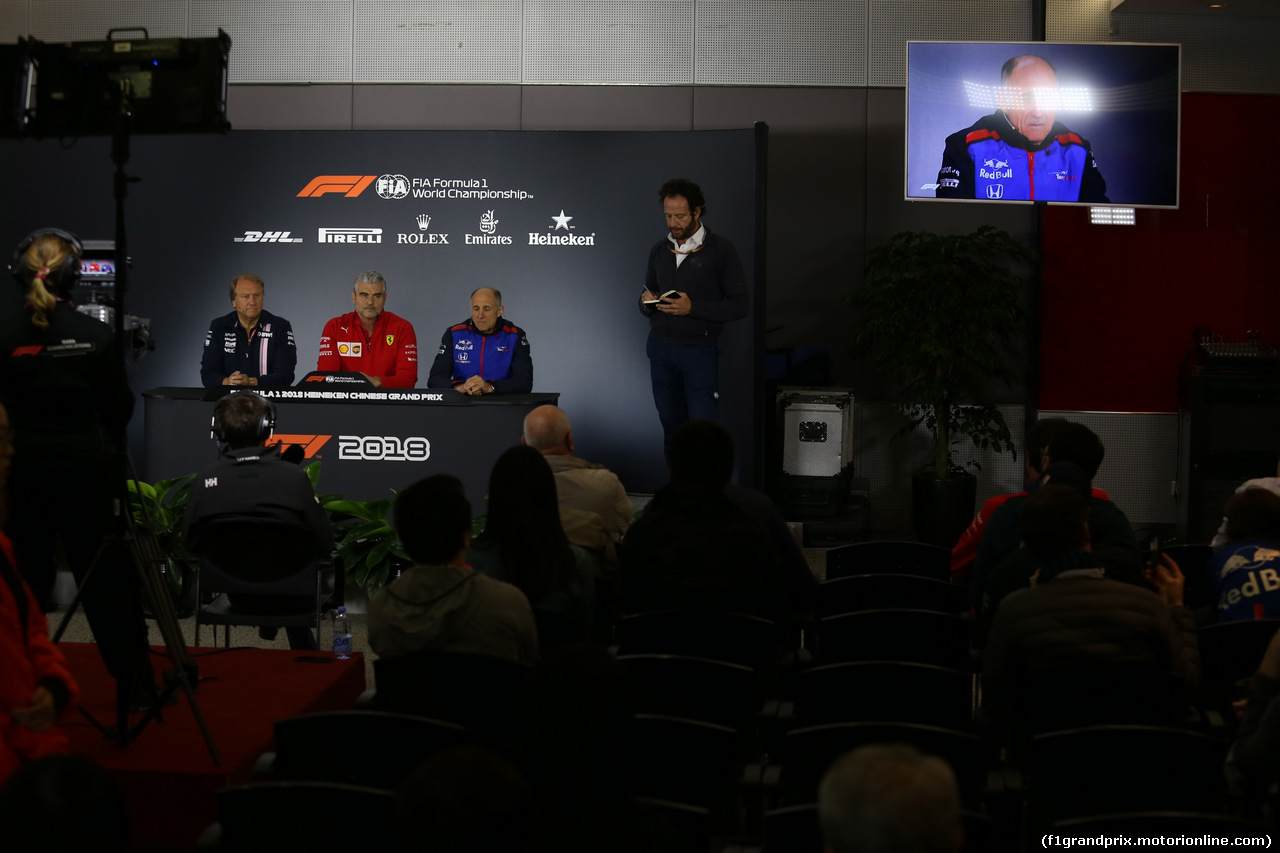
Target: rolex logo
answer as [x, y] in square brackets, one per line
[424, 220]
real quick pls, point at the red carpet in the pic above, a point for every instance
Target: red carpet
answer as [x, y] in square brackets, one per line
[167, 774]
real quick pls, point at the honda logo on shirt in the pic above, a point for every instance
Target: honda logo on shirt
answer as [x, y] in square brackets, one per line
[995, 191]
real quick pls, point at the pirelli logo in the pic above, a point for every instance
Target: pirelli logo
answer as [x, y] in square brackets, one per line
[349, 185]
[310, 444]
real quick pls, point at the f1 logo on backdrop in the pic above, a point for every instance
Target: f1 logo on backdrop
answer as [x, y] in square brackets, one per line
[349, 185]
[311, 444]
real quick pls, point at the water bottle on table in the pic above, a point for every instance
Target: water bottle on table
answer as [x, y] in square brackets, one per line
[341, 634]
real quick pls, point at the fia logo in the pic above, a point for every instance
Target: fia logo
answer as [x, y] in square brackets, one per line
[393, 186]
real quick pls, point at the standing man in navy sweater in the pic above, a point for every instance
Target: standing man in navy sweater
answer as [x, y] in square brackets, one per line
[694, 284]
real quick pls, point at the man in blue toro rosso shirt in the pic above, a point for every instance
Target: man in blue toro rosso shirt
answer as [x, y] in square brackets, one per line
[249, 346]
[1020, 151]
[484, 355]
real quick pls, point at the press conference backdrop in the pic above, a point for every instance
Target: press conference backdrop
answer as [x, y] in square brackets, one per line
[561, 223]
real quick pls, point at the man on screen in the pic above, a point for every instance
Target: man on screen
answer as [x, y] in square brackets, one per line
[371, 340]
[484, 355]
[1020, 152]
[702, 272]
[249, 346]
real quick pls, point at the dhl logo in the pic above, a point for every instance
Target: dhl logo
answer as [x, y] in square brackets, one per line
[310, 444]
[349, 185]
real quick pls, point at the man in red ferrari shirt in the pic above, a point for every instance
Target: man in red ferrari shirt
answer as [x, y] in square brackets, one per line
[1037, 444]
[371, 340]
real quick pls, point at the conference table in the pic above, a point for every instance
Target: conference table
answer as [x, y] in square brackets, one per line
[369, 441]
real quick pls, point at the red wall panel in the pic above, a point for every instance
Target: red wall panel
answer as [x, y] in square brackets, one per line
[1119, 303]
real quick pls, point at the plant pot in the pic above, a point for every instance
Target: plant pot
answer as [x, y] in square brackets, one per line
[942, 509]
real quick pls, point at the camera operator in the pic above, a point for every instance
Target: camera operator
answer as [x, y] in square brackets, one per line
[68, 401]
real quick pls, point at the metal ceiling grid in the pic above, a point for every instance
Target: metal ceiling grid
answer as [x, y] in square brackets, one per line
[766, 43]
[437, 41]
[622, 42]
[892, 23]
[282, 41]
[89, 20]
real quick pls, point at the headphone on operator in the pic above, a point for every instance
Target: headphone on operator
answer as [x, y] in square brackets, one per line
[62, 279]
[264, 428]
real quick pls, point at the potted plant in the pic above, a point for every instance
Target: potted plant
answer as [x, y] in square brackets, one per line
[940, 316]
[159, 509]
[368, 545]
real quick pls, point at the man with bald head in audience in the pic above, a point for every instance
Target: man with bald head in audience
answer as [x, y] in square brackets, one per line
[580, 484]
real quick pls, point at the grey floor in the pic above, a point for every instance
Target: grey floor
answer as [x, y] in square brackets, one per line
[78, 632]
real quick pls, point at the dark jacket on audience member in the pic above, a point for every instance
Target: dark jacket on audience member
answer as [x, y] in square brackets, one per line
[693, 548]
[1081, 618]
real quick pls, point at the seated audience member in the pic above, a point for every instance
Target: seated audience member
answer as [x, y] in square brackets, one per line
[692, 547]
[1017, 569]
[889, 798]
[439, 602]
[1074, 619]
[1271, 484]
[524, 544]
[35, 683]
[569, 732]
[1246, 569]
[1253, 764]
[1069, 442]
[64, 804]
[253, 482]
[1033, 452]
[463, 799]
[580, 485]
[485, 354]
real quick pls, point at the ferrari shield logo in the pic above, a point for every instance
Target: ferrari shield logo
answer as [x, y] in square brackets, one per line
[391, 340]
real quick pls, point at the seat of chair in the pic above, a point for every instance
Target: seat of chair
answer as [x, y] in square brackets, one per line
[246, 565]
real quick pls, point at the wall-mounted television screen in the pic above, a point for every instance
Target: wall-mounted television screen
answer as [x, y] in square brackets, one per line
[1037, 121]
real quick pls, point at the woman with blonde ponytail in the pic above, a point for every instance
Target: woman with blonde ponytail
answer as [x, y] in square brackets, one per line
[47, 254]
[68, 399]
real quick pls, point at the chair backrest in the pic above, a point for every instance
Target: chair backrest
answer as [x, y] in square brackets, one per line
[811, 750]
[259, 557]
[798, 829]
[469, 689]
[1108, 769]
[371, 748]
[733, 637]
[885, 590]
[267, 817]
[863, 691]
[697, 688]
[1093, 694]
[1162, 823]
[681, 760]
[920, 636]
[911, 558]
[1230, 651]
